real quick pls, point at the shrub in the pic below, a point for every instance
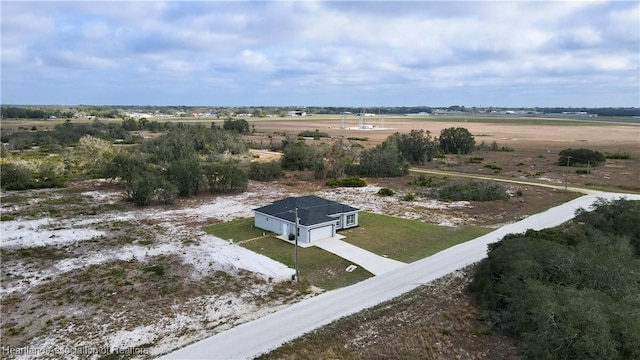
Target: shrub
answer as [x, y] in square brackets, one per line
[409, 197]
[470, 190]
[619, 156]
[314, 134]
[570, 292]
[475, 159]
[494, 167]
[351, 181]
[265, 171]
[155, 269]
[430, 181]
[386, 192]
[15, 177]
[580, 156]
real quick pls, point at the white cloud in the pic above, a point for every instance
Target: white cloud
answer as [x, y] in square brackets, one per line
[325, 45]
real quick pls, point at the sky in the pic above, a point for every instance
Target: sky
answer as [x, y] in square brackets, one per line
[321, 53]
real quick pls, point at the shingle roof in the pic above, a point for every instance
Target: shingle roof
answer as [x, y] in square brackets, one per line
[311, 209]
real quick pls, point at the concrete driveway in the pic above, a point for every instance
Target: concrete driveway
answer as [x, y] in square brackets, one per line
[373, 263]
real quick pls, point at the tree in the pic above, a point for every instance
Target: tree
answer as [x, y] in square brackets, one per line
[456, 141]
[297, 155]
[569, 292]
[338, 158]
[265, 171]
[240, 126]
[417, 147]
[384, 160]
[581, 156]
[223, 178]
[185, 174]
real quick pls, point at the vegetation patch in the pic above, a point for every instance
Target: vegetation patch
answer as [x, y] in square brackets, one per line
[351, 181]
[314, 134]
[570, 292]
[472, 190]
[570, 157]
[618, 155]
[386, 192]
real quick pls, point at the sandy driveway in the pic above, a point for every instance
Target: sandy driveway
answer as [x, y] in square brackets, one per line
[262, 335]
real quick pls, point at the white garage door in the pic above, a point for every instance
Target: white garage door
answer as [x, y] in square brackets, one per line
[320, 233]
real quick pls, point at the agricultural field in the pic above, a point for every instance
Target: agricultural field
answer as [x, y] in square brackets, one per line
[83, 267]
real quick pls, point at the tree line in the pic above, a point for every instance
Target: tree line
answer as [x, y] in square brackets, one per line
[570, 292]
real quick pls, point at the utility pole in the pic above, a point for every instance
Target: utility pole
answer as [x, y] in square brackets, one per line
[566, 177]
[295, 211]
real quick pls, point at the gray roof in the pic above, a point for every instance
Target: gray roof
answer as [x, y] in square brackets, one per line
[312, 210]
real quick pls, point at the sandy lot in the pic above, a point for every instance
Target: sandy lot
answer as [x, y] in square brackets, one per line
[75, 274]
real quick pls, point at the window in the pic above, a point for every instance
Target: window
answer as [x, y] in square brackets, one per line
[351, 219]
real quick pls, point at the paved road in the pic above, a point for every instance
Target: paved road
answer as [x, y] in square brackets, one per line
[262, 335]
[373, 263]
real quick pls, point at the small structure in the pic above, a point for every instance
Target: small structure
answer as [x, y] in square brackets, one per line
[318, 218]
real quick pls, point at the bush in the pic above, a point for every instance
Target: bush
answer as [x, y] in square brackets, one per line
[469, 190]
[619, 156]
[386, 192]
[409, 197]
[494, 167]
[384, 160]
[15, 177]
[351, 181]
[430, 181]
[314, 134]
[570, 292]
[572, 157]
[265, 171]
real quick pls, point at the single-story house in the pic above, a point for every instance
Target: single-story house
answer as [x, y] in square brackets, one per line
[318, 218]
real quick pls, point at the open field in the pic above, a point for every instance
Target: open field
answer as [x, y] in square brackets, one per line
[535, 144]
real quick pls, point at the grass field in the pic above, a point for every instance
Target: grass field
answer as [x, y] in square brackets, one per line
[317, 267]
[406, 240]
[238, 230]
[400, 239]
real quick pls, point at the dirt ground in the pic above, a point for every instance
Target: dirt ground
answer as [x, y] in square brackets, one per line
[535, 145]
[437, 321]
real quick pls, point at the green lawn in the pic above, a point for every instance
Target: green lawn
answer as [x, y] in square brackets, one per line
[400, 239]
[406, 240]
[316, 266]
[238, 230]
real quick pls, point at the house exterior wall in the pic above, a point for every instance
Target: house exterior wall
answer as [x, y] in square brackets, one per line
[269, 223]
[307, 233]
[343, 224]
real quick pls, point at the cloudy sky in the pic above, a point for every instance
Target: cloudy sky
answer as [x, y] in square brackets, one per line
[321, 53]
